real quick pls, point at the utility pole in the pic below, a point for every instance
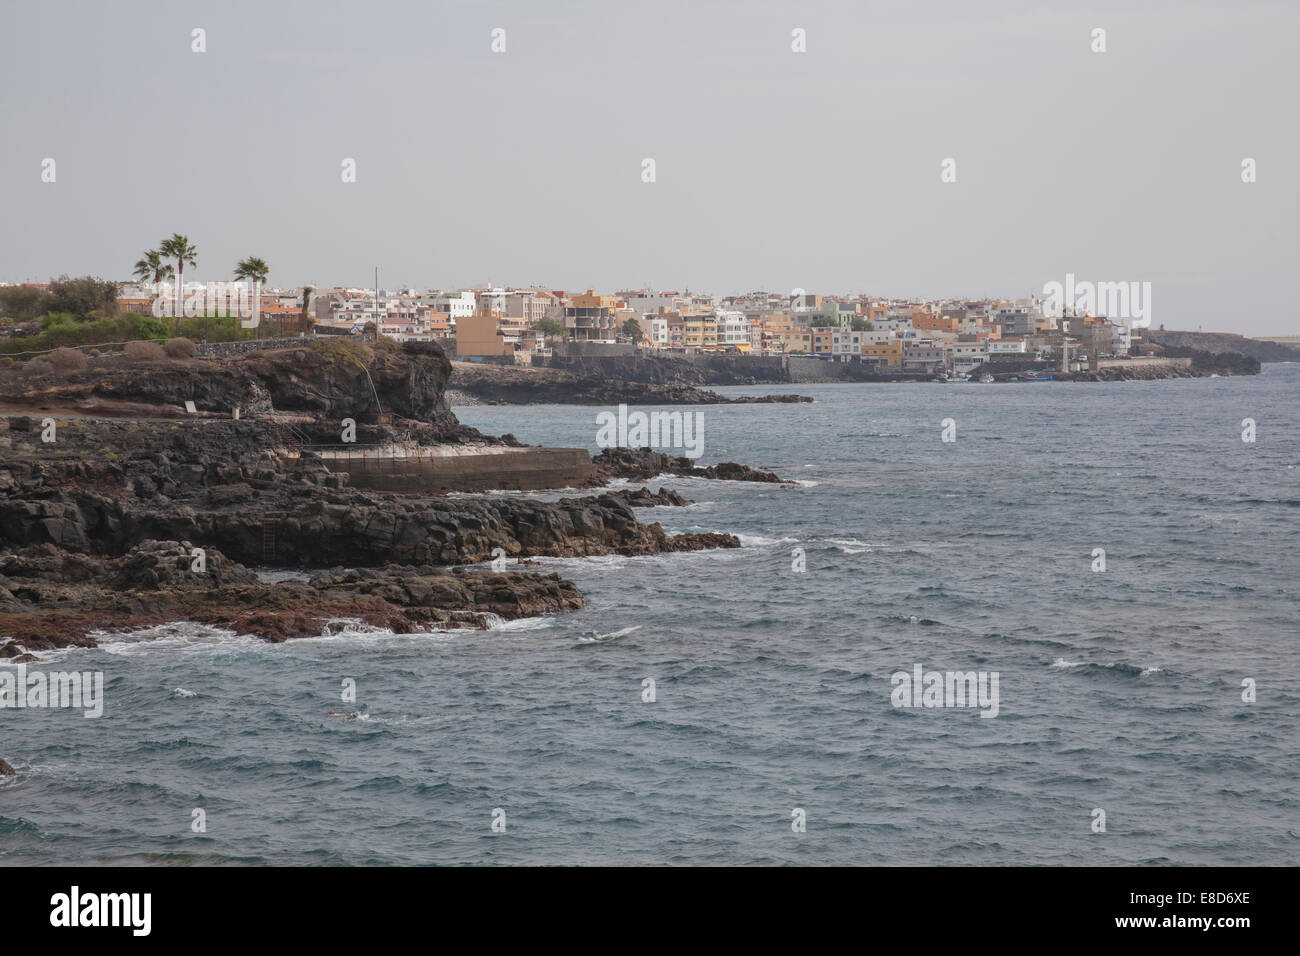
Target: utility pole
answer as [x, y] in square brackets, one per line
[376, 303]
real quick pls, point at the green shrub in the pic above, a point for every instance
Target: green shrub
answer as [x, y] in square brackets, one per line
[340, 347]
[223, 328]
[60, 331]
[56, 320]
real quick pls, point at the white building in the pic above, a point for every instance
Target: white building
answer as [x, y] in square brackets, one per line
[894, 323]
[456, 304]
[733, 328]
[658, 330]
[1121, 341]
[965, 356]
[1006, 347]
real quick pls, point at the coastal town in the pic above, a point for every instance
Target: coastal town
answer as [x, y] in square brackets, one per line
[955, 337]
[952, 339]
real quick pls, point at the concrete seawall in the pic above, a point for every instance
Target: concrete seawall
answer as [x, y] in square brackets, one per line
[454, 468]
[1147, 361]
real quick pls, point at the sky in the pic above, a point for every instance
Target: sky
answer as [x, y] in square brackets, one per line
[773, 169]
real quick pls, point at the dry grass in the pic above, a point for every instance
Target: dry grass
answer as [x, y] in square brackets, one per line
[181, 348]
[143, 352]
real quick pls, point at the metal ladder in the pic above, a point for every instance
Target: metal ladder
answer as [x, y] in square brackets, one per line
[270, 523]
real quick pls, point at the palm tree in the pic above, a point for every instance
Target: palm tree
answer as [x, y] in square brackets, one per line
[152, 269]
[178, 247]
[255, 270]
[304, 318]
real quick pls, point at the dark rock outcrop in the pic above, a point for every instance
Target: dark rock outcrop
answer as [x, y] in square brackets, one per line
[643, 464]
[1215, 343]
[101, 528]
[155, 584]
[329, 380]
[334, 380]
[645, 498]
[524, 385]
[271, 519]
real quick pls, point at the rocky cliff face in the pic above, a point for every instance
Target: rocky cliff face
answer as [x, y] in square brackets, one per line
[349, 380]
[327, 380]
[115, 386]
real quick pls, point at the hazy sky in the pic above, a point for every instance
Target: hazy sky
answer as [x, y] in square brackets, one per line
[774, 169]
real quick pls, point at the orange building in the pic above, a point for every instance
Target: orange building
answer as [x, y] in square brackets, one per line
[478, 334]
[140, 306]
[934, 322]
[887, 354]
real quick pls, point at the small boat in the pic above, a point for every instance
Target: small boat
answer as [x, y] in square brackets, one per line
[986, 379]
[1036, 377]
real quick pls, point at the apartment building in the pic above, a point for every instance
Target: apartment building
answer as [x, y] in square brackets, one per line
[929, 321]
[923, 357]
[790, 340]
[886, 355]
[700, 330]
[590, 317]
[964, 356]
[732, 328]
[455, 304]
[526, 305]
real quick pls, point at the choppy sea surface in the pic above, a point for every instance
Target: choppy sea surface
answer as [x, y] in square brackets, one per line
[1119, 690]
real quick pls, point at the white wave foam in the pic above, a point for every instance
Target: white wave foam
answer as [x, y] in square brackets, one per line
[759, 541]
[180, 635]
[1062, 664]
[604, 638]
[851, 545]
[519, 624]
[591, 562]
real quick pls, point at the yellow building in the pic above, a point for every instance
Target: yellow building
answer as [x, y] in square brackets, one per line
[699, 330]
[589, 300]
[792, 340]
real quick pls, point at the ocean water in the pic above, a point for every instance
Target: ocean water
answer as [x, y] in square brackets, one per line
[1119, 690]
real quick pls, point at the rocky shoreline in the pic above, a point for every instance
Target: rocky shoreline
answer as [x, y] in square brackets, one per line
[484, 384]
[642, 464]
[102, 519]
[51, 598]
